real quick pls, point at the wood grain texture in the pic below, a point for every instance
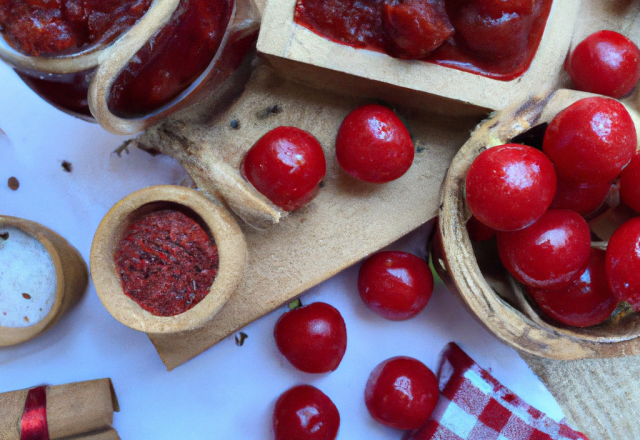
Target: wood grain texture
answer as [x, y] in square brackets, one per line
[346, 222]
[599, 396]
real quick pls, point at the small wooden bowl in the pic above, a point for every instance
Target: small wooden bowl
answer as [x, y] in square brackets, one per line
[232, 251]
[516, 322]
[322, 63]
[102, 65]
[71, 274]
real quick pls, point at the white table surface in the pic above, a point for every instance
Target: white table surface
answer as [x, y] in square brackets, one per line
[228, 392]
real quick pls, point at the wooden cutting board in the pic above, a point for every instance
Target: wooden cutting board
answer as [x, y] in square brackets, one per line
[346, 222]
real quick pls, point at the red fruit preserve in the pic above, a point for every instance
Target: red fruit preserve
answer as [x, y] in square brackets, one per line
[591, 141]
[313, 338]
[607, 63]
[286, 165]
[172, 59]
[374, 145]
[510, 186]
[585, 302]
[167, 262]
[396, 285]
[550, 253]
[623, 262]
[52, 27]
[305, 413]
[494, 38]
[401, 393]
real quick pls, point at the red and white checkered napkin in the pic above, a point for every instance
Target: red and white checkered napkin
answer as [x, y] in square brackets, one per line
[473, 405]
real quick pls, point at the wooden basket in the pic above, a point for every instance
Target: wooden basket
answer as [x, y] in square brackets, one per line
[71, 279]
[105, 64]
[232, 251]
[517, 323]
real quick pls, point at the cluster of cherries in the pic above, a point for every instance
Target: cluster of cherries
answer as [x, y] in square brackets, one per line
[401, 391]
[536, 202]
[287, 164]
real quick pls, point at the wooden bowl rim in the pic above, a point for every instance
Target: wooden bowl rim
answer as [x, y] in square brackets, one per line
[17, 335]
[232, 251]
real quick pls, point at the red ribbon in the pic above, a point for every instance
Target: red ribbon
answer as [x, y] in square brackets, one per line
[33, 425]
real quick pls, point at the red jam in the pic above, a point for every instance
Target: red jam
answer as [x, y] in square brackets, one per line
[493, 38]
[172, 59]
[38, 27]
[167, 262]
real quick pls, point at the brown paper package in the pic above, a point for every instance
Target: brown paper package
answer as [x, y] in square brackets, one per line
[75, 411]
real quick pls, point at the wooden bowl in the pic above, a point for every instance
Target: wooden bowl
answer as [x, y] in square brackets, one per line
[232, 251]
[322, 63]
[101, 65]
[510, 316]
[71, 278]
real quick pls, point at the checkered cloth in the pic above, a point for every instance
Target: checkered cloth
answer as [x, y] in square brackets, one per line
[473, 405]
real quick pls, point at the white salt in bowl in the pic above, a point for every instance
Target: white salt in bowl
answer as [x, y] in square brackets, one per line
[41, 276]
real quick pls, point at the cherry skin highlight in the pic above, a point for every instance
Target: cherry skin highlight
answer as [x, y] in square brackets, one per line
[401, 393]
[395, 285]
[374, 145]
[286, 165]
[585, 302]
[550, 253]
[305, 413]
[623, 262]
[510, 186]
[630, 184]
[313, 338]
[606, 63]
[590, 141]
[583, 198]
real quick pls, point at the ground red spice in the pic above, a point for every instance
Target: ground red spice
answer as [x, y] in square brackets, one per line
[62, 26]
[167, 262]
[491, 38]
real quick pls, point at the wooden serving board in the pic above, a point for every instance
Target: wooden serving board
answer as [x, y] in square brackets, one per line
[347, 221]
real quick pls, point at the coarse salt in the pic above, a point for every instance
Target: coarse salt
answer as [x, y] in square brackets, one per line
[27, 279]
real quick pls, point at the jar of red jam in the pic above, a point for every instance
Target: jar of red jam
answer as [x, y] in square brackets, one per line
[126, 63]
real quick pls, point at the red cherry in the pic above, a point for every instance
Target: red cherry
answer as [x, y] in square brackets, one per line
[401, 393]
[591, 141]
[374, 145]
[583, 198]
[396, 285]
[510, 186]
[585, 302]
[478, 231]
[630, 184]
[606, 62]
[413, 28]
[305, 413]
[286, 165]
[623, 262]
[313, 338]
[550, 253]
